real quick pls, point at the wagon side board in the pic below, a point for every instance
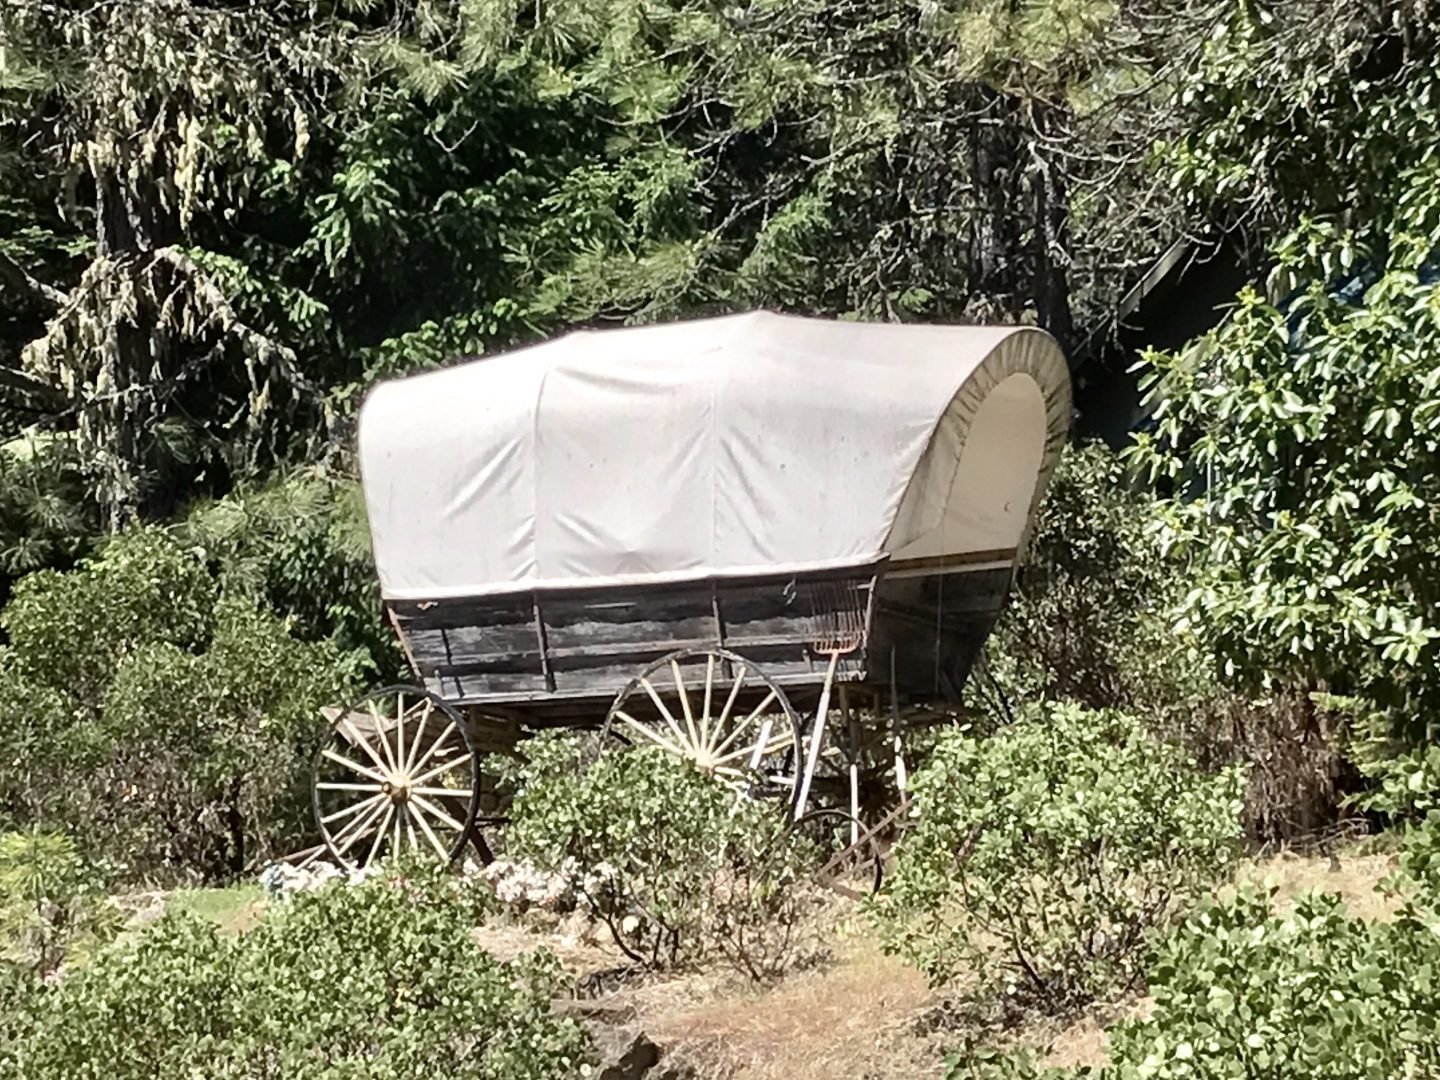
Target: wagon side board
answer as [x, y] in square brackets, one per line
[563, 651]
[556, 656]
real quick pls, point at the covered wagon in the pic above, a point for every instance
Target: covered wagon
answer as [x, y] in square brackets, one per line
[701, 536]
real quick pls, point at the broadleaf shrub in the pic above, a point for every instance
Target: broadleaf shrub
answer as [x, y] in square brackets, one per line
[366, 980]
[671, 860]
[1093, 619]
[1299, 441]
[1043, 856]
[300, 547]
[1242, 992]
[158, 724]
[73, 629]
[1090, 619]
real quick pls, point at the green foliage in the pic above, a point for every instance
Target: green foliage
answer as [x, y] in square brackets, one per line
[676, 865]
[1240, 992]
[1047, 853]
[1089, 620]
[372, 980]
[300, 547]
[211, 749]
[45, 518]
[158, 722]
[1243, 992]
[1352, 87]
[1300, 440]
[52, 905]
[72, 630]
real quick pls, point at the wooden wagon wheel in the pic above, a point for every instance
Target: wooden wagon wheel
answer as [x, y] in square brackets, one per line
[718, 711]
[396, 773]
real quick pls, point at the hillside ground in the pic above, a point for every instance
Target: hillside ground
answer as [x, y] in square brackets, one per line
[857, 1014]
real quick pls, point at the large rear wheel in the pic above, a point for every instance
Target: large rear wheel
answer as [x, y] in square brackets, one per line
[719, 712]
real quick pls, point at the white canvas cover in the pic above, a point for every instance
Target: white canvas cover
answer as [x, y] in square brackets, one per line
[754, 443]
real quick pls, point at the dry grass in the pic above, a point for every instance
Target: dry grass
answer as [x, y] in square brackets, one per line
[857, 1017]
[1353, 877]
[854, 1017]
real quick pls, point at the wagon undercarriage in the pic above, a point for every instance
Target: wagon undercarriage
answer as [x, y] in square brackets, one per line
[783, 688]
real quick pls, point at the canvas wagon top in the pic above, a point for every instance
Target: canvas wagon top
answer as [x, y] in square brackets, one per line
[728, 447]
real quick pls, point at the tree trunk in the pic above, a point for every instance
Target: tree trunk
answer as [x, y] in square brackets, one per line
[120, 421]
[1051, 243]
[994, 233]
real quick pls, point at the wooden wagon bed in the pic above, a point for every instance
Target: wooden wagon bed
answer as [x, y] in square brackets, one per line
[561, 653]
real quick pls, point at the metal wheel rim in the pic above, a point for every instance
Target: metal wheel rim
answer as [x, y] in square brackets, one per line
[754, 751]
[391, 778]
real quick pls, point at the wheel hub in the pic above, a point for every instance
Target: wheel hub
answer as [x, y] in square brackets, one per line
[396, 789]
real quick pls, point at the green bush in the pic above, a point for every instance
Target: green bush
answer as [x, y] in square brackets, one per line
[1243, 993]
[1308, 420]
[1240, 992]
[350, 981]
[158, 724]
[70, 631]
[300, 547]
[1045, 855]
[212, 750]
[53, 907]
[1090, 618]
[673, 862]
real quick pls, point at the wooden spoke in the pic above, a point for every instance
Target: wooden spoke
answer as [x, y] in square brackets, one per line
[759, 751]
[354, 766]
[326, 785]
[694, 742]
[437, 813]
[660, 706]
[764, 747]
[354, 809]
[463, 759]
[380, 735]
[379, 836]
[429, 708]
[441, 792]
[709, 696]
[433, 747]
[400, 733]
[744, 725]
[358, 739]
[729, 703]
[410, 829]
[360, 827]
[649, 733]
[728, 745]
[430, 836]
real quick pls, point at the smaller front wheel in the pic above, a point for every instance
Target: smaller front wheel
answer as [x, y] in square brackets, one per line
[395, 774]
